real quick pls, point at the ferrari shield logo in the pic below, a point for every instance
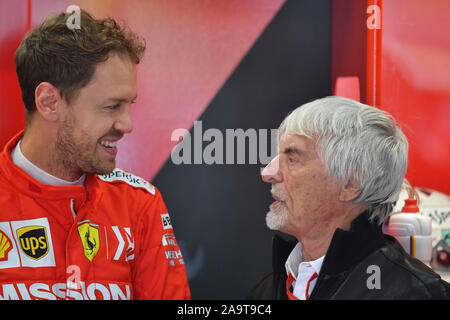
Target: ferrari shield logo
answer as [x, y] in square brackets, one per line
[89, 238]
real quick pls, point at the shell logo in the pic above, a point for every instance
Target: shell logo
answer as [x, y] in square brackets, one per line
[5, 246]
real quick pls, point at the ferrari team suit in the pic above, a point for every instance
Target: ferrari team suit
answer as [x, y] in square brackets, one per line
[109, 239]
[360, 264]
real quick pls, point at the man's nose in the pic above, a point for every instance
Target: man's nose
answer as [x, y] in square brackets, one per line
[271, 173]
[124, 123]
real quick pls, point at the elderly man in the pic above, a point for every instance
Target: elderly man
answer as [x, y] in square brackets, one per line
[338, 173]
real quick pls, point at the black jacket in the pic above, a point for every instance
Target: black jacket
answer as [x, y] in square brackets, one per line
[347, 273]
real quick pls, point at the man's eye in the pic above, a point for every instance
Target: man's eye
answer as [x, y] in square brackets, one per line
[114, 107]
[292, 160]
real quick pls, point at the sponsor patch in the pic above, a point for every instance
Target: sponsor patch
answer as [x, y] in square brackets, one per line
[131, 179]
[125, 246]
[9, 257]
[168, 239]
[33, 241]
[174, 256]
[90, 238]
[34, 244]
[5, 246]
[166, 223]
[49, 290]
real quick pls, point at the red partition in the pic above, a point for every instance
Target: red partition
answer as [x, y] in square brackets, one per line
[402, 66]
[348, 48]
[13, 25]
[415, 84]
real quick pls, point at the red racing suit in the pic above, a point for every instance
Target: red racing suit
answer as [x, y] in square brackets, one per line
[109, 239]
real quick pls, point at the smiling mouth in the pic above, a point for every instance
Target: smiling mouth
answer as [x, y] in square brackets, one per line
[109, 146]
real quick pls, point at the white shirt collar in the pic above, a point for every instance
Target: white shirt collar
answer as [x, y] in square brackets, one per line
[294, 262]
[37, 173]
[316, 264]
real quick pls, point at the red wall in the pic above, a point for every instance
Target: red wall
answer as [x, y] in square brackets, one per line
[348, 47]
[405, 72]
[13, 25]
[415, 84]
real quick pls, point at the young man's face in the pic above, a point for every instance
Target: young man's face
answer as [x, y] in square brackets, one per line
[97, 118]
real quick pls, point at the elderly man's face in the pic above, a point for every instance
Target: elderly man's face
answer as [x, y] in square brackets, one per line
[304, 193]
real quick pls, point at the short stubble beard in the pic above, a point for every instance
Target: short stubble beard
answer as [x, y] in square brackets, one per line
[76, 157]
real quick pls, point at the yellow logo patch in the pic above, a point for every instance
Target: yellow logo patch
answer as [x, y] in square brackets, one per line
[90, 238]
[5, 246]
[33, 241]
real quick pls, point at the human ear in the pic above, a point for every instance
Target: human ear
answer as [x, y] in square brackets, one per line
[349, 191]
[47, 98]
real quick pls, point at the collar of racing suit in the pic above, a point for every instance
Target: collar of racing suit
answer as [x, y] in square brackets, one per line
[347, 248]
[26, 184]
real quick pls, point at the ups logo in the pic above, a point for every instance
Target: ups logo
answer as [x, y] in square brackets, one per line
[33, 241]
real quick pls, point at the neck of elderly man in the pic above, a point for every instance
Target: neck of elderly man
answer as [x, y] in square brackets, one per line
[316, 240]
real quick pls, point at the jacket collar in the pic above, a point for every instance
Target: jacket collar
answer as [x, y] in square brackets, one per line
[346, 249]
[26, 184]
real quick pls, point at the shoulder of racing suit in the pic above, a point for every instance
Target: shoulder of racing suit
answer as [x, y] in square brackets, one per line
[119, 176]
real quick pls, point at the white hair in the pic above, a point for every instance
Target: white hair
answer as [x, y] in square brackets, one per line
[356, 142]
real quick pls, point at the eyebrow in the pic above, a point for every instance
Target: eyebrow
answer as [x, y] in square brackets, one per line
[119, 100]
[293, 149]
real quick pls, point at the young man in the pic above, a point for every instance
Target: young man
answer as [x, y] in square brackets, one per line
[72, 225]
[338, 173]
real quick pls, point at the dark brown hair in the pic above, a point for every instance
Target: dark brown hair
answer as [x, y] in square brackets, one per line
[67, 58]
